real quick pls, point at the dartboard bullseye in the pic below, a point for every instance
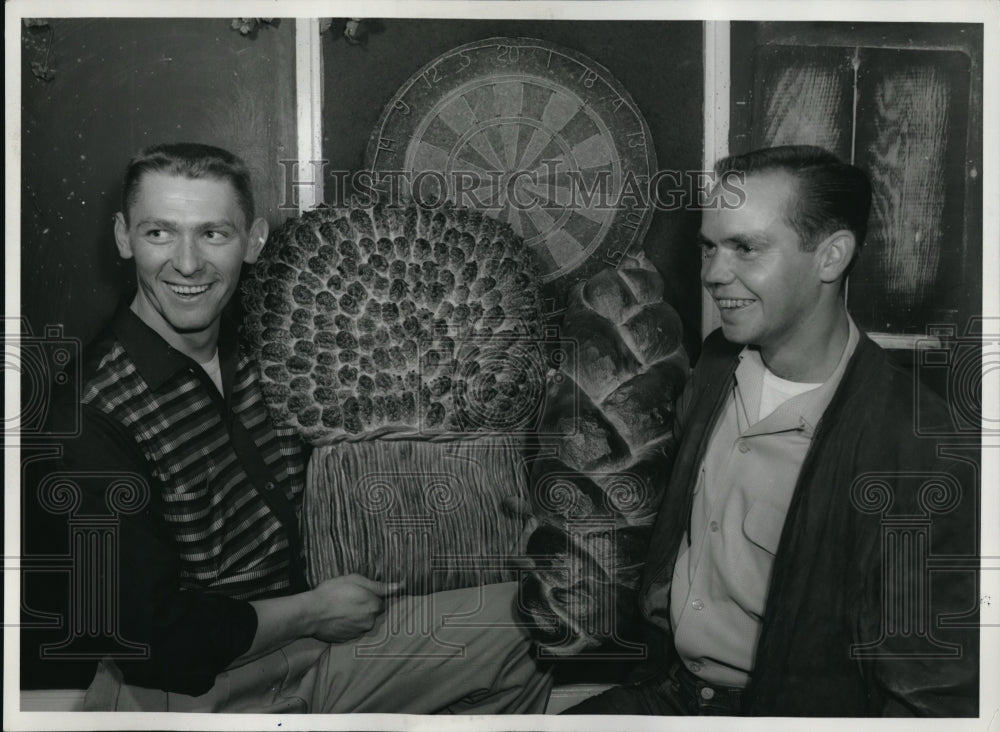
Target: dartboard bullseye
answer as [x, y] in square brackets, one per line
[536, 135]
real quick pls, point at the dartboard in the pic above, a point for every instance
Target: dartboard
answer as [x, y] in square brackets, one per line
[536, 135]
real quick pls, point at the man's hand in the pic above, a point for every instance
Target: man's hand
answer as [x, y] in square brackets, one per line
[342, 608]
[334, 611]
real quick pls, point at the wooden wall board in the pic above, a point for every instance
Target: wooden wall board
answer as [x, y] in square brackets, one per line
[803, 95]
[911, 138]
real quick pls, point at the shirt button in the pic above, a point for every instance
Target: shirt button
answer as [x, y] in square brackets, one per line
[714, 526]
[269, 485]
[743, 447]
[698, 605]
[707, 693]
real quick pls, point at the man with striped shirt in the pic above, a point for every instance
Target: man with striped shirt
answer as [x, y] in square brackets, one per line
[210, 576]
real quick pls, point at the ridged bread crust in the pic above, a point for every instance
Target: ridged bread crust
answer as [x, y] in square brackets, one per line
[597, 489]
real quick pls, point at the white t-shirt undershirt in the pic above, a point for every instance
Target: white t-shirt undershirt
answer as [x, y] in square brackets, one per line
[214, 371]
[775, 391]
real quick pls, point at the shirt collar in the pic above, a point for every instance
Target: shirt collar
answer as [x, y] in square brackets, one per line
[804, 410]
[154, 358]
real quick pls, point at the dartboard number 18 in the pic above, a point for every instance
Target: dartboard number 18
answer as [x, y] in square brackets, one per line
[536, 135]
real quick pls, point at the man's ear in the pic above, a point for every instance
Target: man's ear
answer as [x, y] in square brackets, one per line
[121, 236]
[835, 254]
[258, 235]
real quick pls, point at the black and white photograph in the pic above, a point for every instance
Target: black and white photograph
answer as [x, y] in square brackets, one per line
[501, 365]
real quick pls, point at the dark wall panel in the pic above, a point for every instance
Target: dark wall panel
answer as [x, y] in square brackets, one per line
[659, 63]
[118, 85]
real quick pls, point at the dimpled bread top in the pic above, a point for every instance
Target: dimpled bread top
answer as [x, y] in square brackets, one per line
[385, 320]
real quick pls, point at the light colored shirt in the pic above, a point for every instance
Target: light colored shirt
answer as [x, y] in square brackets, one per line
[745, 483]
[214, 371]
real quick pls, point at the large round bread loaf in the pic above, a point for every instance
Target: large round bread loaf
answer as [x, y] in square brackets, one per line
[596, 487]
[403, 344]
[370, 320]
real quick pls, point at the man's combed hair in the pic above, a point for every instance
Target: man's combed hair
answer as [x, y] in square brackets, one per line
[190, 160]
[831, 195]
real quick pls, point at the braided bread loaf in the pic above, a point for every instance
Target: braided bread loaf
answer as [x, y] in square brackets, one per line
[597, 487]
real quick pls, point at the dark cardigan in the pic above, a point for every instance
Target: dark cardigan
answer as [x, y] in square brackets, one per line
[827, 592]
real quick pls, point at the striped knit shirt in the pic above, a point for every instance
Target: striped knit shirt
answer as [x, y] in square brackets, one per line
[228, 481]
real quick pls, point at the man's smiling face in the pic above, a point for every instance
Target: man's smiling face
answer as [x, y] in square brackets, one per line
[189, 239]
[764, 284]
